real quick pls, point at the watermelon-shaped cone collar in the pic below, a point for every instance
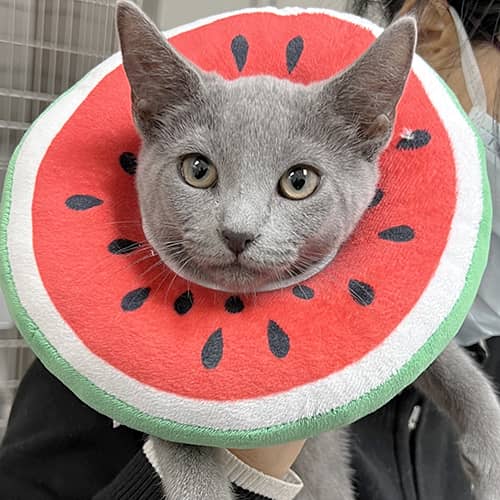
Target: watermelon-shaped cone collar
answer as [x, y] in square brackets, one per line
[204, 367]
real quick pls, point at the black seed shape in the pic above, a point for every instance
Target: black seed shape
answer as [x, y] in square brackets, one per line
[82, 202]
[134, 299]
[279, 343]
[239, 48]
[303, 292]
[417, 139]
[184, 302]
[293, 52]
[377, 198]
[361, 292]
[122, 246]
[128, 161]
[234, 304]
[397, 233]
[211, 353]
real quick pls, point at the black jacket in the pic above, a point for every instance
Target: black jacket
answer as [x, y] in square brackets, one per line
[56, 447]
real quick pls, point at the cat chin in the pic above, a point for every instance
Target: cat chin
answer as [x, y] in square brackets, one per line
[235, 278]
[232, 278]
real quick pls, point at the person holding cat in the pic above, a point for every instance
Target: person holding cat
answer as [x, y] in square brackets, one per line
[406, 450]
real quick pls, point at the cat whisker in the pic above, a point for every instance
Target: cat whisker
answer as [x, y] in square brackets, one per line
[132, 249]
[129, 265]
[152, 266]
[136, 252]
[183, 265]
[279, 278]
[165, 273]
[109, 276]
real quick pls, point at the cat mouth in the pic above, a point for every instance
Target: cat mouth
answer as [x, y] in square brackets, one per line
[235, 276]
[240, 275]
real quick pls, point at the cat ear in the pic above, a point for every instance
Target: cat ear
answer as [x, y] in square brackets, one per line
[367, 93]
[160, 78]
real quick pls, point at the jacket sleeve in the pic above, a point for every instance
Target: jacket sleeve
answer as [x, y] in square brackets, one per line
[56, 447]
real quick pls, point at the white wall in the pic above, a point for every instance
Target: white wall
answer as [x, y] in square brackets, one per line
[175, 12]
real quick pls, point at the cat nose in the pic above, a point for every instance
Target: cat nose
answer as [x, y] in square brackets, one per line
[236, 241]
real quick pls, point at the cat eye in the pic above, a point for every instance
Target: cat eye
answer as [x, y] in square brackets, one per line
[198, 171]
[298, 182]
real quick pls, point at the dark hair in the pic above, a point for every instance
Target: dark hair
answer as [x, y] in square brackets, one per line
[481, 18]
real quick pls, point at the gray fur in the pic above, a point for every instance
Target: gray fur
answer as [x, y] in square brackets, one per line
[323, 466]
[463, 392]
[253, 130]
[188, 472]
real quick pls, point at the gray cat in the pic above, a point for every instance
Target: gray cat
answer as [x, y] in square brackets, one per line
[254, 184]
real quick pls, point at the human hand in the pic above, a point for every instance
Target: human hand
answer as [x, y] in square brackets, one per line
[271, 460]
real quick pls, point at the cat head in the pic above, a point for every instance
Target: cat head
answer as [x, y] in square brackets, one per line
[255, 183]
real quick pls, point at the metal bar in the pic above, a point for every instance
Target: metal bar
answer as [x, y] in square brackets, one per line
[37, 74]
[52, 46]
[104, 48]
[13, 344]
[11, 85]
[27, 94]
[66, 78]
[82, 38]
[14, 125]
[27, 66]
[96, 2]
[52, 69]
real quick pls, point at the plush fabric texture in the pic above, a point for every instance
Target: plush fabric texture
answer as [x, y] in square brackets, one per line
[199, 366]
